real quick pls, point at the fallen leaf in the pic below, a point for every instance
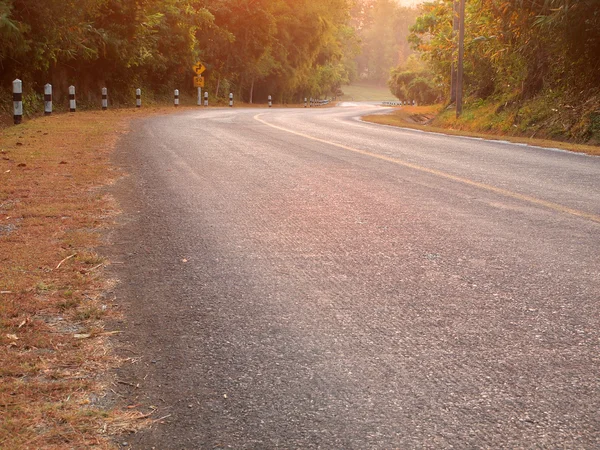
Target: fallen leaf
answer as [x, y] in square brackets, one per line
[12, 336]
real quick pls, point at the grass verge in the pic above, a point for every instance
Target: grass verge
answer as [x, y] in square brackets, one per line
[428, 118]
[364, 92]
[54, 348]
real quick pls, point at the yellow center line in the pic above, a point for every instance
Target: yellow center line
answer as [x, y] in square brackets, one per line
[448, 176]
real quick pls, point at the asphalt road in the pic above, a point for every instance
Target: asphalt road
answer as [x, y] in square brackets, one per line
[296, 278]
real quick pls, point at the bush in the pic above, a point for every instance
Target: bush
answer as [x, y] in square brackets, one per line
[413, 85]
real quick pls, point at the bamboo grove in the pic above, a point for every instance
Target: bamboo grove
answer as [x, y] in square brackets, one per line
[538, 57]
[288, 48]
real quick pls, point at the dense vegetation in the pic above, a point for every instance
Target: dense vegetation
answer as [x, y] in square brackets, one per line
[287, 48]
[383, 27]
[535, 60]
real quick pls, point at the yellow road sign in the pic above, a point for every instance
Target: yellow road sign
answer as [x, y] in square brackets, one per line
[199, 68]
[198, 81]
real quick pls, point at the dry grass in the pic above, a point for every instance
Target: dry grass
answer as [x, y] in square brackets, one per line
[425, 118]
[54, 350]
[365, 92]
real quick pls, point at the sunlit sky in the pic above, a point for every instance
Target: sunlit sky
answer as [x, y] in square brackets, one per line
[410, 2]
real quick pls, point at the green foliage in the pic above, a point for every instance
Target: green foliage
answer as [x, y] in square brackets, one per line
[517, 50]
[383, 28]
[518, 46]
[413, 81]
[280, 47]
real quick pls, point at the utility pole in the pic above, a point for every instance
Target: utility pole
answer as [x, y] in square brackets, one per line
[461, 54]
[453, 67]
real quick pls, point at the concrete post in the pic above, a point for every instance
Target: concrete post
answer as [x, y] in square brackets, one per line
[270, 102]
[18, 101]
[72, 102]
[176, 101]
[104, 99]
[205, 98]
[138, 98]
[231, 99]
[47, 99]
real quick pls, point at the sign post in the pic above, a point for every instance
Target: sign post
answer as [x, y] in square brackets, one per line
[198, 69]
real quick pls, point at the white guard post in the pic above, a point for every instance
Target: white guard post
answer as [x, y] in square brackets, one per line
[47, 99]
[138, 98]
[176, 101]
[104, 99]
[72, 102]
[18, 101]
[231, 99]
[205, 98]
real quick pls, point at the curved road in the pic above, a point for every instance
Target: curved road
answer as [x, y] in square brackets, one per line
[296, 278]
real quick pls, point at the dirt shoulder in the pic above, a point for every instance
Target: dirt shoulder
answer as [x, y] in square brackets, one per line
[426, 118]
[55, 349]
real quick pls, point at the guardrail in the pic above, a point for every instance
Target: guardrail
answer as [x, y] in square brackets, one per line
[316, 102]
[399, 103]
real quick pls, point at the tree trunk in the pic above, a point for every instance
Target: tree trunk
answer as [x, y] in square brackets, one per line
[218, 85]
[251, 90]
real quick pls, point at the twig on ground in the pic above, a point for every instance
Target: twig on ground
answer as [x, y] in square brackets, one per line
[162, 418]
[67, 258]
[127, 383]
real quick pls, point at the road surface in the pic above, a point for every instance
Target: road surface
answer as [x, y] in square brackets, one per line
[297, 278]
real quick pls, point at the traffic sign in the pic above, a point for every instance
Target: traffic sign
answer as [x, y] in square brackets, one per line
[198, 81]
[199, 68]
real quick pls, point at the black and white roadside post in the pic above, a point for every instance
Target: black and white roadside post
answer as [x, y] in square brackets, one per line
[270, 101]
[176, 101]
[231, 99]
[72, 102]
[138, 98]
[104, 99]
[18, 101]
[305, 102]
[205, 98]
[47, 99]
